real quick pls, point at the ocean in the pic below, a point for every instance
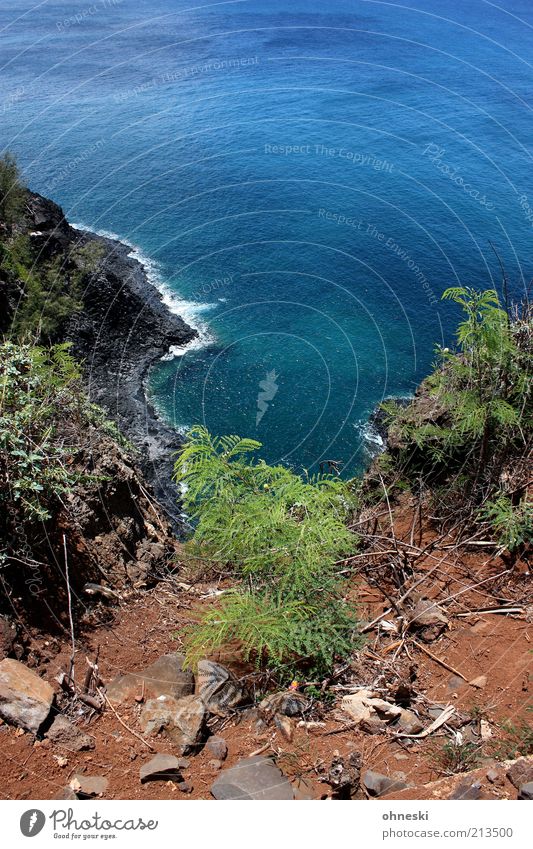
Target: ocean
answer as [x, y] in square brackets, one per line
[302, 180]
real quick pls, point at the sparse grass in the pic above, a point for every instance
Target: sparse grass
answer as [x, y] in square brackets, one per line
[517, 740]
[455, 757]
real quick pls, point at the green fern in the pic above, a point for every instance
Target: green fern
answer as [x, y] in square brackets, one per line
[282, 535]
[513, 524]
[482, 398]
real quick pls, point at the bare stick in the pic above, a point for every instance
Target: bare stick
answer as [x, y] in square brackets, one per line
[473, 586]
[438, 660]
[502, 610]
[131, 731]
[375, 621]
[440, 720]
[260, 750]
[71, 668]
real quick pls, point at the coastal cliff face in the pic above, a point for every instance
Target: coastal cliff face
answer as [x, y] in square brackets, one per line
[119, 328]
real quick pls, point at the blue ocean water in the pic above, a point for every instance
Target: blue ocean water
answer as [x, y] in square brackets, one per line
[305, 180]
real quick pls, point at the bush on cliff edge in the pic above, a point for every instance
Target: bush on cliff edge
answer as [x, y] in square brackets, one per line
[282, 536]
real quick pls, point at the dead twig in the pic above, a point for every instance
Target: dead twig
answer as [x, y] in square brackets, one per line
[440, 720]
[71, 666]
[260, 750]
[347, 727]
[438, 660]
[131, 731]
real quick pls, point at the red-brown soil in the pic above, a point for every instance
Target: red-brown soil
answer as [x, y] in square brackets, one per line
[149, 623]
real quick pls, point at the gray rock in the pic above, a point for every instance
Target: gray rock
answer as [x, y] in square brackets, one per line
[252, 778]
[218, 688]
[88, 785]
[521, 772]
[304, 789]
[284, 724]
[164, 677]
[182, 720]
[494, 776]
[161, 768]
[25, 699]
[465, 790]
[63, 733]
[67, 794]
[218, 748]
[526, 791]
[378, 784]
[409, 722]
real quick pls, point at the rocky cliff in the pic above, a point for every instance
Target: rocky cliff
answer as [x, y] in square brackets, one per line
[121, 328]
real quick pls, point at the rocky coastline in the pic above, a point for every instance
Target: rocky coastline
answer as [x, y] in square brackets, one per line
[122, 328]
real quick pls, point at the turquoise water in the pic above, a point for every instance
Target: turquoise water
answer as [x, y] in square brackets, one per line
[305, 180]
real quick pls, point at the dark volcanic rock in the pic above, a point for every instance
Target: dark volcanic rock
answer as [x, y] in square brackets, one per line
[64, 733]
[121, 330]
[252, 778]
[25, 699]
[467, 791]
[526, 791]
[521, 772]
[378, 784]
[161, 768]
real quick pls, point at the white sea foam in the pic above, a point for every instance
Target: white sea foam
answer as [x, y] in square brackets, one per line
[373, 442]
[189, 311]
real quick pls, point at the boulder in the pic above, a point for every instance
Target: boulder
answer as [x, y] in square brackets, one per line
[429, 619]
[218, 688]
[182, 721]
[526, 791]
[252, 778]
[161, 768]
[164, 677]
[409, 722]
[87, 786]
[284, 725]
[64, 733]
[67, 794]
[25, 699]
[378, 784]
[521, 772]
[467, 791]
[218, 748]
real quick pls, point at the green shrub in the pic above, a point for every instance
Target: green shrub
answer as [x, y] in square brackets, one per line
[513, 524]
[44, 415]
[35, 393]
[11, 191]
[481, 397]
[282, 535]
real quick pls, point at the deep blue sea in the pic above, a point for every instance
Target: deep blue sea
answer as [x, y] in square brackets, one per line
[304, 179]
